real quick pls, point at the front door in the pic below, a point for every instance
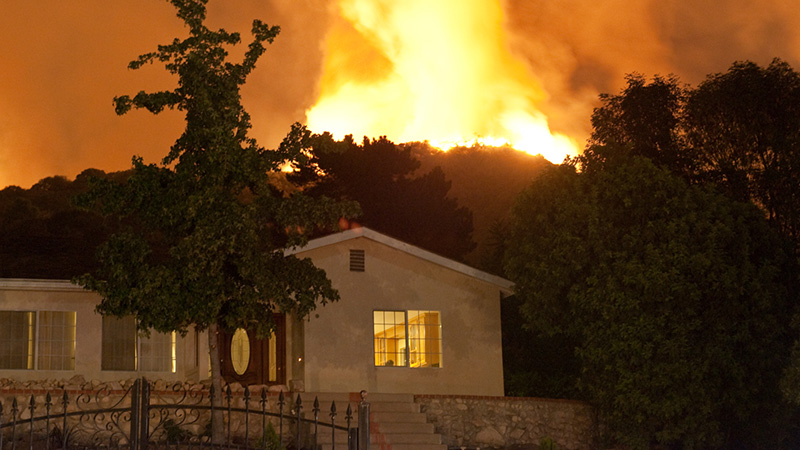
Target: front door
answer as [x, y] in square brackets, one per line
[248, 360]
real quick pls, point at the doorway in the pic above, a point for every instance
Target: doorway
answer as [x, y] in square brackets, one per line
[248, 360]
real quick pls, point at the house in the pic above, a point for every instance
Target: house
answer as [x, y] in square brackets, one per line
[408, 321]
[49, 330]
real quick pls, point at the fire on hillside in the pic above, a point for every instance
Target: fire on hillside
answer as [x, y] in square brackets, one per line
[440, 72]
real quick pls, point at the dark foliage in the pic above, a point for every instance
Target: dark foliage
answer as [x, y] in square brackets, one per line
[677, 298]
[44, 235]
[486, 180]
[381, 176]
[739, 130]
[536, 364]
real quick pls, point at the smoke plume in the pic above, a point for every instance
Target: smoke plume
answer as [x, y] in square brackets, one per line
[63, 62]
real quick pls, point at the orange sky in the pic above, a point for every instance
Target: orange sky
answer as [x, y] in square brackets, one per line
[62, 62]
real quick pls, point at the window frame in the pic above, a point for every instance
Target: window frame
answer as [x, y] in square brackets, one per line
[404, 354]
[137, 356]
[35, 351]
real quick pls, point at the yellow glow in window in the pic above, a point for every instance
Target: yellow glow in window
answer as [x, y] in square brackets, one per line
[407, 338]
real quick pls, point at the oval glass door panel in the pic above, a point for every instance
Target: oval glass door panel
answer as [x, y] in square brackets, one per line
[240, 351]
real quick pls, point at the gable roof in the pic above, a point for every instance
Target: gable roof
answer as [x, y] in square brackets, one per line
[362, 232]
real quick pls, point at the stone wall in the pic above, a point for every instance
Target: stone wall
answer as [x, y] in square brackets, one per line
[463, 421]
[509, 422]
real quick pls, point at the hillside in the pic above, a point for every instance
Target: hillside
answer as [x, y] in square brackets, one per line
[44, 236]
[484, 179]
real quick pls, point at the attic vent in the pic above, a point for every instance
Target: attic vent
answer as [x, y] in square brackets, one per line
[356, 260]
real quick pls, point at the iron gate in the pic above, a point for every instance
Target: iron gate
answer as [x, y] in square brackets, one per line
[154, 415]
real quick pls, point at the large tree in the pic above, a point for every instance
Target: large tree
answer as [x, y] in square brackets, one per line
[205, 230]
[744, 127]
[644, 119]
[678, 300]
[739, 130]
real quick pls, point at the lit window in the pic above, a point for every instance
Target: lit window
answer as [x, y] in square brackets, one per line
[125, 349]
[407, 338]
[43, 340]
[240, 351]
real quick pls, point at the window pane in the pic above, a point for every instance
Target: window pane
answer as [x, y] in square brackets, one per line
[389, 338]
[119, 343]
[240, 351]
[56, 347]
[157, 352]
[273, 358]
[17, 330]
[425, 339]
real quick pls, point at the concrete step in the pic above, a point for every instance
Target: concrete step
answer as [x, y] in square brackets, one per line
[378, 440]
[398, 417]
[389, 428]
[395, 421]
[406, 446]
[397, 424]
[393, 407]
[405, 438]
[382, 398]
[375, 446]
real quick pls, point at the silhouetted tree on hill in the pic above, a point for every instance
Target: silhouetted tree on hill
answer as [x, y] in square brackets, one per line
[486, 180]
[44, 235]
[739, 130]
[382, 177]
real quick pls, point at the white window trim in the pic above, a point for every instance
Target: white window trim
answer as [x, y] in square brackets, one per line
[137, 352]
[34, 350]
[407, 338]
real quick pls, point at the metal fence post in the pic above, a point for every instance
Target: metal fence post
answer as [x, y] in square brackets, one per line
[1, 424]
[144, 422]
[363, 422]
[135, 411]
[64, 404]
[32, 406]
[299, 406]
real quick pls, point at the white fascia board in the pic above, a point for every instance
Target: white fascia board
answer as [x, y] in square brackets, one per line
[505, 285]
[26, 284]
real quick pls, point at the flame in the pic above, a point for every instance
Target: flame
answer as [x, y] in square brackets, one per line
[431, 70]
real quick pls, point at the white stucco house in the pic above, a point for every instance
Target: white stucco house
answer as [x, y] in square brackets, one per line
[409, 321]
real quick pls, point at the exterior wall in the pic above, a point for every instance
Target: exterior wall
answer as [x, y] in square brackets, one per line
[338, 354]
[332, 351]
[60, 295]
[508, 422]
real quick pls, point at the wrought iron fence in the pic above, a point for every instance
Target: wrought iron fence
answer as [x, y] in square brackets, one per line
[142, 417]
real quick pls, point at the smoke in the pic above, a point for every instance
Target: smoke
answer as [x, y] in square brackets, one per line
[63, 62]
[580, 49]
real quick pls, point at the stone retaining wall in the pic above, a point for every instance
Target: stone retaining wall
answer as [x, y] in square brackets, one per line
[463, 421]
[509, 422]
[89, 426]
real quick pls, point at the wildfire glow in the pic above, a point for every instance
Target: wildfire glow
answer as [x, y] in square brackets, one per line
[435, 70]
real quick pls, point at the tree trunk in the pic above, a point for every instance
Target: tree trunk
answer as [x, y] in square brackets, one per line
[218, 428]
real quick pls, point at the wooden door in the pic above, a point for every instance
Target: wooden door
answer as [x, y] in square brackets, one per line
[248, 360]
